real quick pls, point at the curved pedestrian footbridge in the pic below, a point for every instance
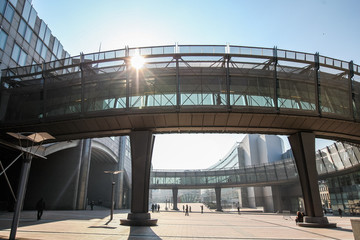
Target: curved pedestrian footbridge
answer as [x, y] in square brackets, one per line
[279, 172]
[184, 88]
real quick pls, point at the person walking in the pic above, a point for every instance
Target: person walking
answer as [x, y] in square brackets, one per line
[187, 210]
[40, 206]
[340, 212]
[202, 208]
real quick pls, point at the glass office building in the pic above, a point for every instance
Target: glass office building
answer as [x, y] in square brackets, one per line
[345, 193]
[25, 38]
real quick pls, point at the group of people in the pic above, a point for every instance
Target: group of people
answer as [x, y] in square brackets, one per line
[155, 207]
[186, 209]
[299, 217]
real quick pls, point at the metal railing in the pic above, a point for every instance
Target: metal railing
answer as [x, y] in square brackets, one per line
[181, 49]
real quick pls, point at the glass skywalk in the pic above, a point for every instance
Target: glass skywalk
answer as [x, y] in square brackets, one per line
[330, 161]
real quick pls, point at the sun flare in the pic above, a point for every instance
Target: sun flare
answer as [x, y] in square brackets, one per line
[137, 61]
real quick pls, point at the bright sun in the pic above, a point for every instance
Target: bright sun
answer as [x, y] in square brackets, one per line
[137, 61]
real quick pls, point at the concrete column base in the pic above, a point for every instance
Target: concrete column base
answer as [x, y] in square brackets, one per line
[355, 225]
[317, 222]
[138, 219]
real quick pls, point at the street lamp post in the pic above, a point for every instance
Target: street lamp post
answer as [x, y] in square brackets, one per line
[33, 142]
[112, 191]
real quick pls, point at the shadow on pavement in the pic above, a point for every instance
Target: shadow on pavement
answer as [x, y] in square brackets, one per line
[28, 218]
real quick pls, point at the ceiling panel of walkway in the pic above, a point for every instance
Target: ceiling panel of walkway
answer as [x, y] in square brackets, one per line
[221, 89]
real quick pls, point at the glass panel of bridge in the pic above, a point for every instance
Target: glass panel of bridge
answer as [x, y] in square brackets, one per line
[270, 172]
[151, 87]
[280, 171]
[343, 155]
[336, 157]
[329, 165]
[250, 174]
[233, 177]
[290, 168]
[261, 174]
[353, 153]
[356, 93]
[202, 86]
[252, 84]
[334, 92]
[104, 86]
[296, 87]
[320, 167]
[242, 175]
[25, 102]
[63, 93]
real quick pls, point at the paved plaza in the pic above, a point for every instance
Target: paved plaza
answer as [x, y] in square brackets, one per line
[171, 225]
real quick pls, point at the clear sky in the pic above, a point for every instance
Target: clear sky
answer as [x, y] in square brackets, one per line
[330, 27]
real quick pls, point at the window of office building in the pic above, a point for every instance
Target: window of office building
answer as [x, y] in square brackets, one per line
[2, 6]
[345, 193]
[29, 14]
[18, 55]
[25, 31]
[41, 49]
[44, 33]
[9, 13]
[57, 48]
[3, 38]
[13, 2]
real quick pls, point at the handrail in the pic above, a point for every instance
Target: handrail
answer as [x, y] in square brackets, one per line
[152, 51]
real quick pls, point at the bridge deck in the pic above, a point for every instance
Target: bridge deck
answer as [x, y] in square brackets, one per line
[184, 89]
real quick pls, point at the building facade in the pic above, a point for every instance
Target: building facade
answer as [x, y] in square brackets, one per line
[257, 149]
[25, 39]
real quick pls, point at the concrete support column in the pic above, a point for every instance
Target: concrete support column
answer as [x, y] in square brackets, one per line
[119, 191]
[303, 147]
[251, 197]
[24, 176]
[276, 195]
[141, 152]
[84, 168]
[218, 199]
[175, 191]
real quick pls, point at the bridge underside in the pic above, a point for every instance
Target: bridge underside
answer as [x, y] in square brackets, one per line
[120, 123]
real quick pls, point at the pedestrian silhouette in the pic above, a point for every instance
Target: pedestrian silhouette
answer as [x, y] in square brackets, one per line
[187, 210]
[340, 212]
[40, 206]
[299, 217]
[202, 208]
[92, 205]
